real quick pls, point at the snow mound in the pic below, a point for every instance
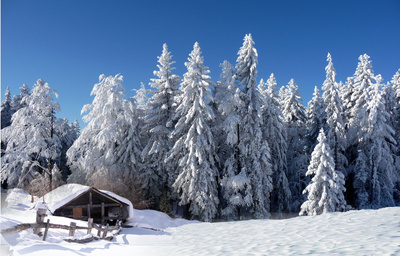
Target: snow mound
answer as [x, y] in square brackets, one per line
[155, 220]
[18, 199]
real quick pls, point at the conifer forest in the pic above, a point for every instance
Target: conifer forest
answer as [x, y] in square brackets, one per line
[229, 148]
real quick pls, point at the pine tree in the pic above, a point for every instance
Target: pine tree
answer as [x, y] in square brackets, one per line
[57, 177]
[275, 133]
[379, 139]
[6, 109]
[363, 81]
[325, 192]
[315, 119]
[396, 125]
[396, 112]
[158, 124]
[194, 147]
[17, 99]
[361, 181]
[294, 115]
[345, 94]
[223, 95]
[250, 164]
[32, 143]
[67, 135]
[108, 146]
[334, 125]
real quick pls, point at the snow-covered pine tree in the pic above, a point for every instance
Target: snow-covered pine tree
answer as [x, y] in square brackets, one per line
[390, 102]
[67, 135]
[345, 94]
[76, 128]
[141, 97]
[363, 81]
[294, 115]
[57, 179]
[325, 192]
[396, 112]
[128, 152]
[315, 114]
[107, 148]
[32, 143]
[194, 148]
[6, 109]
[223, 94]
[87, 155]
[235, 182]
[361, 182]
[17, 99]
[158, 124]
[275, 133]
[396, 117]
[334, 125]
[250, 164]
[380, 141]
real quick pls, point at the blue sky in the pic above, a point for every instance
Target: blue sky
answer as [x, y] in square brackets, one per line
[70, 43]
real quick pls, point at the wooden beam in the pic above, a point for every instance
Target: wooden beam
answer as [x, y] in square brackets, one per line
[102, 212]
[88, 211]
[46, 230]
[90, 202]
[93, 206]
[72, 229]
[90, 225]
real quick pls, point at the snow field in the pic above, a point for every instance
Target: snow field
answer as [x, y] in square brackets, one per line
[365, 232]
[368, 232]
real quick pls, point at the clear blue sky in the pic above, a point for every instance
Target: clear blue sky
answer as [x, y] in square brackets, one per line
[70, 43]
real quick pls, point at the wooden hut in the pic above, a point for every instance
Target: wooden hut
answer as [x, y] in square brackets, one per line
[89, 202]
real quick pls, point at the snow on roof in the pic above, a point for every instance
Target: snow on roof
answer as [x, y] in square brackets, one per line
[122, 199]
[62, 195]
[65, 193]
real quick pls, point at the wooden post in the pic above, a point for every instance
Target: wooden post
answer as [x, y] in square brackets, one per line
[72, 229]
[40, 215]
[90, 203]
[88, 211]
[90, 222]
[105, 231]
[46, 230]
[102, 213]
[99, 230]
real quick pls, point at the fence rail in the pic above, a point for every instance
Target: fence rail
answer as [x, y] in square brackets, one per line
[40, 224]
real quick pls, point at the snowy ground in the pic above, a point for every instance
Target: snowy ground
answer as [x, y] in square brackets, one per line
[367, 232]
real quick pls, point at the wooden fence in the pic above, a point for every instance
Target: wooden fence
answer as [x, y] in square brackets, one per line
[40, 224]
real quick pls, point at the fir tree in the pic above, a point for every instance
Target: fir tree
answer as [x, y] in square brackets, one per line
[315, 119]
[108, 146]
[363, 81]
[158, 124]
[17, 99]
[325, 192]
[194, 147]
[380, 141]
[334, 125]
[247, 180]
[6, 109]
[294, 115]
[32, 143]
[275, 133]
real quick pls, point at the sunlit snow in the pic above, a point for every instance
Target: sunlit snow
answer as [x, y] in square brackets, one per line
[365, 232]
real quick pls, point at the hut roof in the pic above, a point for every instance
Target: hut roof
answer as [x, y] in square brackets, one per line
[65, 194]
